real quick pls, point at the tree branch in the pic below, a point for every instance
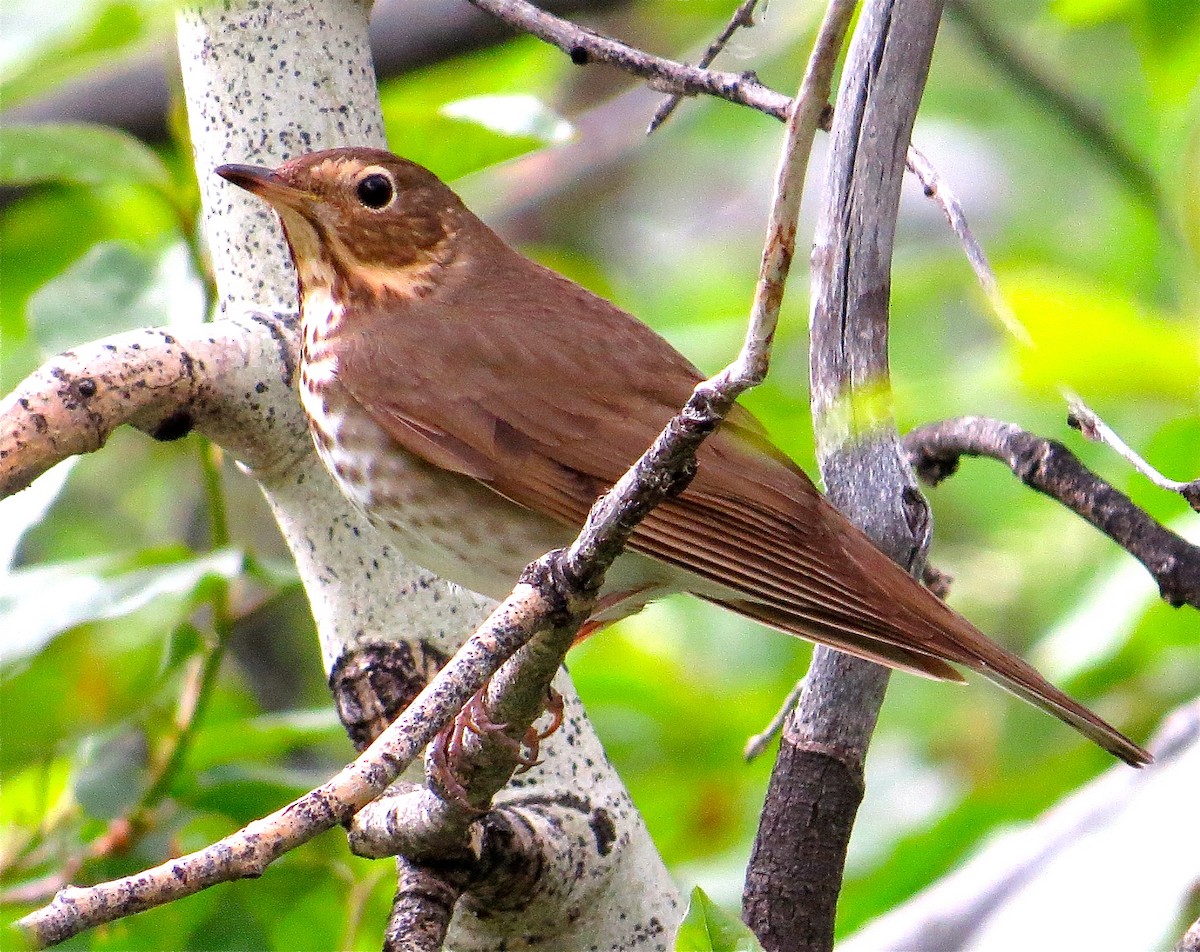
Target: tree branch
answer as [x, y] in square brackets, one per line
[796, 866]
[586, 46]
[1052, 469]
[743, 16]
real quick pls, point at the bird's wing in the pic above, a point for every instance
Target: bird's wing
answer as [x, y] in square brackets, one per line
[490, 381]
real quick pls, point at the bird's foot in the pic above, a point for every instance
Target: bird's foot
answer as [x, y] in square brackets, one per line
[447, 748]
[531, 743]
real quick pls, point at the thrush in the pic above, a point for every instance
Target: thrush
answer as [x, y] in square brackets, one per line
[474, 404]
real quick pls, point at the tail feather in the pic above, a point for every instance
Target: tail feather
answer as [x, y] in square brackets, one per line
[959, 640]
[1022, 679]
[844, 639]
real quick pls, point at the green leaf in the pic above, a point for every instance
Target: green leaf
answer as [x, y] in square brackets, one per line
[464, 139]
[451, 148]
[21, 512]
[48, 44]
[77, 153]
[263, 738]
[1105, 614]
[115, 287]
[1190, 195]
[234, 924]
[707, 928]
[32, 793]
[40, 602]
[244, 792]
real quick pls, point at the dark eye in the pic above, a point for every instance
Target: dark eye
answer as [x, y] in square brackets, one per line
[375, 190]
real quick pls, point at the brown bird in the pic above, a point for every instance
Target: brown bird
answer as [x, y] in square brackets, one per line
[475, 404]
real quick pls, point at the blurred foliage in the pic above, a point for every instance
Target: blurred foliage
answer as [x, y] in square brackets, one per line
[130, 592]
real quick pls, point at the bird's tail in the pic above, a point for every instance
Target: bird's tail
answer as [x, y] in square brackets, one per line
[957, 639]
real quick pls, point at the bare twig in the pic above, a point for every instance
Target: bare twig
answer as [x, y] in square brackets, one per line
[758, 743]
[1088, 422]
[1052, 469]
[743, 16]
[586, 46]
[937, 189]
[158, 380]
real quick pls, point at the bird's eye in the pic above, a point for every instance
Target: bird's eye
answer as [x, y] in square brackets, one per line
[375, 190]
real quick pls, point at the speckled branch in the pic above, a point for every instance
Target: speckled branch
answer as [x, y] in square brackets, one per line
[796, 867]
[1050, 468]
[249, 851]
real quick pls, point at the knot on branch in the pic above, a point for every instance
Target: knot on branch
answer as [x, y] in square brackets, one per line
[173, 427]
[372, 684]
[932, 467]
[568, 589]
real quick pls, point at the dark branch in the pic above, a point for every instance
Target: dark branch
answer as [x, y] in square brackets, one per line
[796, 867]
[421, 910]
[1050, 468]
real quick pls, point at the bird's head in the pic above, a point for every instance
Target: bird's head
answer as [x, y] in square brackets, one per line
[362, 221]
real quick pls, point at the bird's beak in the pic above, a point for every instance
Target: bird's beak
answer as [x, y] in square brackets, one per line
[264, 183]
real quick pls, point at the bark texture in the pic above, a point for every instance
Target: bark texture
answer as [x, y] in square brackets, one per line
[817, 783]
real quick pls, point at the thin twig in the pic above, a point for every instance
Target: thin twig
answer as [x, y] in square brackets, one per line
[937, 189]
[1080, 415]
[1088, 422]
[743, 16]
[1052, 469]
[586, 46]
[758, 743]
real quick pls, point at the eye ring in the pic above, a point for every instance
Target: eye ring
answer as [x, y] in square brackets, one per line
[375, 190]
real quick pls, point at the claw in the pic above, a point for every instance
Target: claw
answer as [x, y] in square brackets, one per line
[475, 714]
[555, 708]
[447, 747]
